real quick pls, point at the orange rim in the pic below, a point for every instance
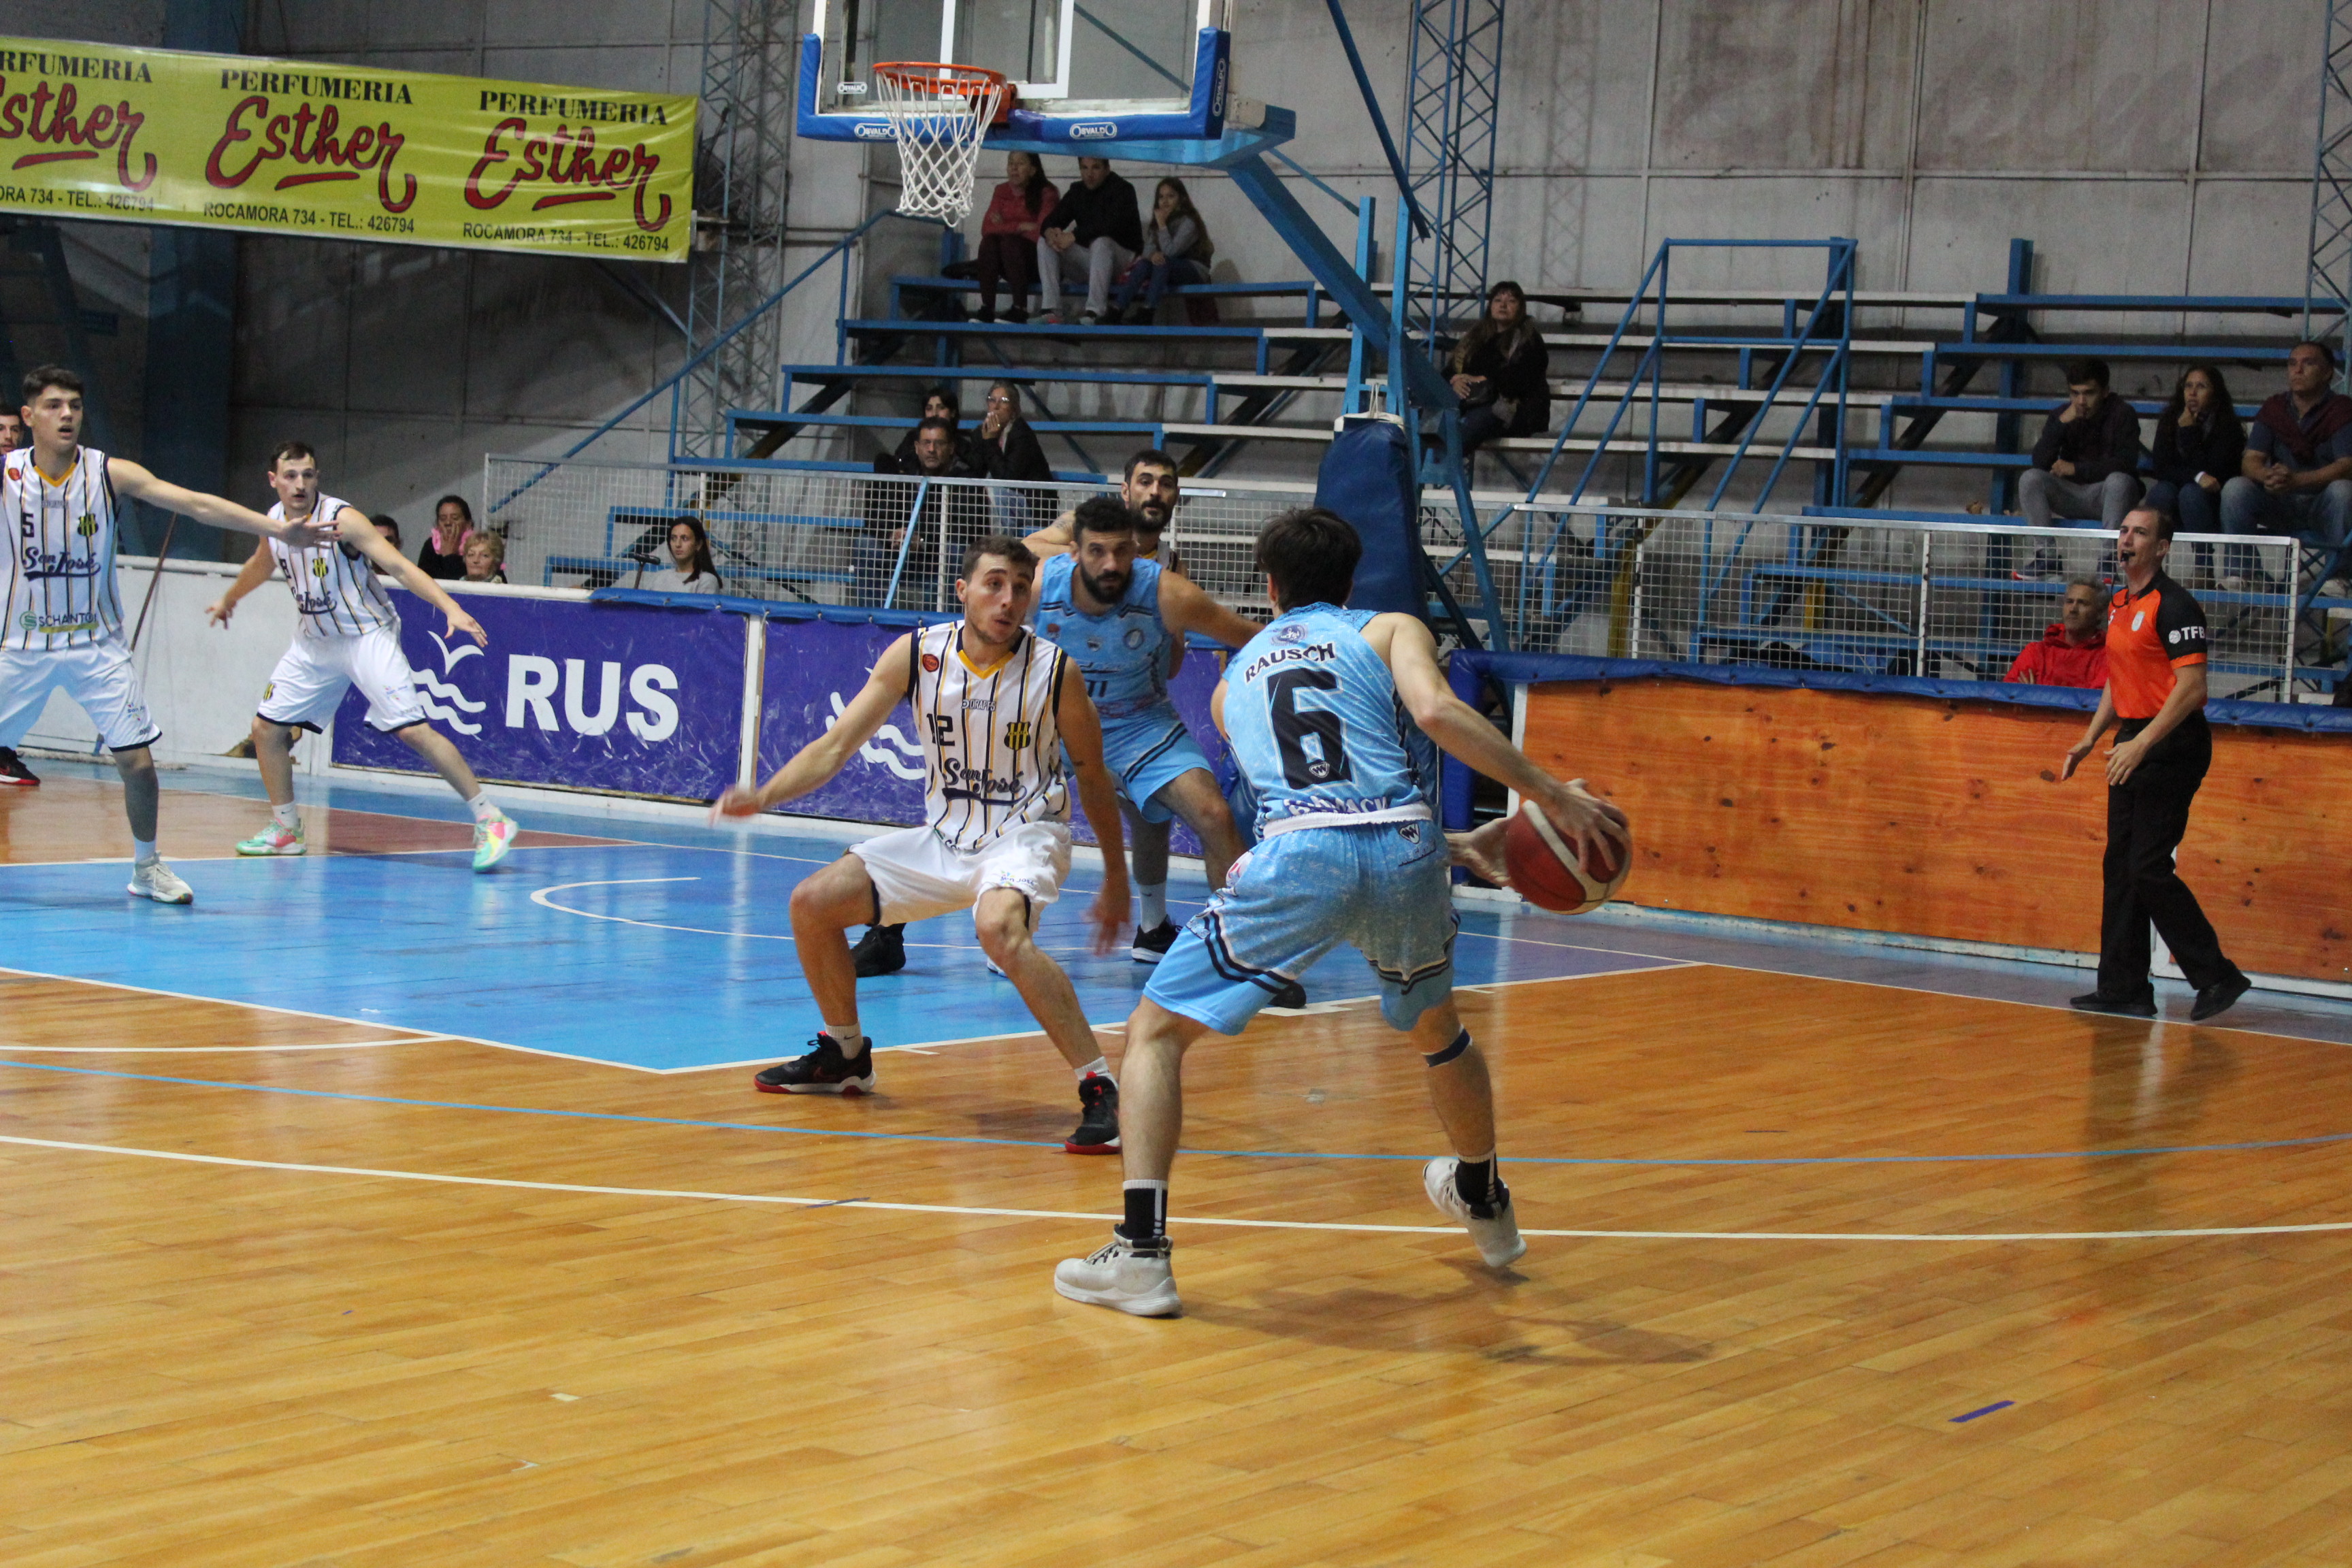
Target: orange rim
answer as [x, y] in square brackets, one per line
[941, 79]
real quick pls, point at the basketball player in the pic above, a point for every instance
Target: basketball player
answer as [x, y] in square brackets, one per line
[996, 709]
[1117, 616]
[347, 634]
[1151, 492]
[64, 626]
[1332, 714]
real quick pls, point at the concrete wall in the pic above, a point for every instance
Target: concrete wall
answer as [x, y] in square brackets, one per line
[2141, 145]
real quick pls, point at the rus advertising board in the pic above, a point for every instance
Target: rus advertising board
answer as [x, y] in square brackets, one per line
[92, 131]
[620, 698]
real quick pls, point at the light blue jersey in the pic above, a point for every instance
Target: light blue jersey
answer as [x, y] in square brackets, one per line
[1123, 652]
[1318, 730]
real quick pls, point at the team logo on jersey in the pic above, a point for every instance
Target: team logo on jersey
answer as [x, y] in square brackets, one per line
[1053, 630]
[1289, 633]
[1134, 637]
[2137, 617]
[87, 526]
[319, 567]
[1018, 735]
[931, 663]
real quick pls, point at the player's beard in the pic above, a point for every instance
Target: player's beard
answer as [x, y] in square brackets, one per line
[1154, 516]
[1108, 588]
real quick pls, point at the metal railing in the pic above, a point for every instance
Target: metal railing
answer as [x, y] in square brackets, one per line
[1893, 596]
[1883, 595]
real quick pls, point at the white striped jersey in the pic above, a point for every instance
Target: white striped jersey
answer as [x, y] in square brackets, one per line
[992, 749]
[334, 592]
[60, 554]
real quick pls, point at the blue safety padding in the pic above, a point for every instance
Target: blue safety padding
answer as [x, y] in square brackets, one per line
[1518, 669]
[1369, 477]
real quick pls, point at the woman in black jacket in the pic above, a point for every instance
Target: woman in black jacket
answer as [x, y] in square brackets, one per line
[2198, 447]
[1004, 447]
[1498, 372]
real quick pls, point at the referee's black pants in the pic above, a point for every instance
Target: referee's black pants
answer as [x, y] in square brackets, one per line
[2147, 816]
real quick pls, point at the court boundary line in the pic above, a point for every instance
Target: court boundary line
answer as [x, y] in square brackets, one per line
[216, 1050]
[1353, 1227]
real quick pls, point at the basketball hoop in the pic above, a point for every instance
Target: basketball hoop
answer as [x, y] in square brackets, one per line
[938, 115]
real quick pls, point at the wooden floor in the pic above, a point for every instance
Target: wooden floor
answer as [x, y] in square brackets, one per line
[597, 1336]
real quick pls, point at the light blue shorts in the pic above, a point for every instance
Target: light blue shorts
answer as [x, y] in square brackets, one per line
[1383, 887]
[1146, 753]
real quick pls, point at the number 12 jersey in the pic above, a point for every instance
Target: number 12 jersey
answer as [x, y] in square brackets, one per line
[1318, 730]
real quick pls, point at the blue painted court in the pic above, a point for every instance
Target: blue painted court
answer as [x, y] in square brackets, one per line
[665, 955]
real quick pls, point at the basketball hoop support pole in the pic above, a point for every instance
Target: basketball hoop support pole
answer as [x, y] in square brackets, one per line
[1423, 384]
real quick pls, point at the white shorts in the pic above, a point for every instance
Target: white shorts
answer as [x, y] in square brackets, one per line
[308, 685]
[917, 876]
[101, 680]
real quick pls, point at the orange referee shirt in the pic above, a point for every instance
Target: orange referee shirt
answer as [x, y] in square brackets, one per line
[2149, 634]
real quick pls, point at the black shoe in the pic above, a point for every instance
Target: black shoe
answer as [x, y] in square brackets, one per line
[881, 951]
[1151, 946]
[2142, 1006]
[824, 1070]
[2218, 997]
[1292, 995]
[1016, 316]
[13, 770]
[1097, 1131]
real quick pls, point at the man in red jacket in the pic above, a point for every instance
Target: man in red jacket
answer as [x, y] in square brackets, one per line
[2075, 651]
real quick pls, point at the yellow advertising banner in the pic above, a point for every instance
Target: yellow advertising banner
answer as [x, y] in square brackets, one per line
[91, 130]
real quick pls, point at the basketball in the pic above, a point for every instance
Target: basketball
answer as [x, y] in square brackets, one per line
[1546, 873]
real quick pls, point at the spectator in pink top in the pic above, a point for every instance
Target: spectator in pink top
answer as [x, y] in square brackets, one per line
[1008, 235]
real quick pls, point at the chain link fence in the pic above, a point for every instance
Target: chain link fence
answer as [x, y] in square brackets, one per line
[1882, 596]
[1949, 601]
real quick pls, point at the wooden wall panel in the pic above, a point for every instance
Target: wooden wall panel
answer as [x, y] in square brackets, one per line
[1941, 818]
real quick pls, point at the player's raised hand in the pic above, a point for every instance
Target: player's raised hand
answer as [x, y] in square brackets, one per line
[301, 533]
[1580, 816]
[460, 621]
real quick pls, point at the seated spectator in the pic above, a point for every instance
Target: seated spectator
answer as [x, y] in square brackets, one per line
[1176, 250]
[2074, 652]
[891, 506]
[691, 568]
[1004, 447]
[1093, 232]
[1498, 372]
[12, 436]
[2199, 445]
[486, 557]
[443, 555]
[939, 402]
[1009, 231]
[388, 526]
[2085, 465]
[2297, 472]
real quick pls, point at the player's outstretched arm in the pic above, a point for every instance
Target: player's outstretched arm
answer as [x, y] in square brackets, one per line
[1082, 736]
[257, 568]
[363, 536]
[1463, 734]
[814, 764]
[1186, 607]
[129, 478]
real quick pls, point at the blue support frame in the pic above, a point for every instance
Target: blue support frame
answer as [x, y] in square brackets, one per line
[1454, 64]
[2327, 277]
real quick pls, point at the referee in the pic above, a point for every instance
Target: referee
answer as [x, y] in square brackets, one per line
[2156, 687]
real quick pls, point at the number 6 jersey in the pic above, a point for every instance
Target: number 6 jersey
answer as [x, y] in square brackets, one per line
[1318, 730]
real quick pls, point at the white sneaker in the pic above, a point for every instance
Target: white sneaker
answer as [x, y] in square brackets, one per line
[1496, 1232]
[157, 881]
[276, 838]
[1124, 1278]
[492, 839]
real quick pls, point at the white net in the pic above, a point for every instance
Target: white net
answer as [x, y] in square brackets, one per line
[937, 116]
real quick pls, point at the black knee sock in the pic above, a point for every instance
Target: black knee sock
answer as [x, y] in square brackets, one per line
[1147, 1211]
[1475, 1180]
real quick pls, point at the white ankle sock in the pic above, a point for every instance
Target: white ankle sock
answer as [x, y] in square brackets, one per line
[1099, 1067]
[482, 809]
[1152, 905]
[143, 850]
[848, 1037]
[287, 816]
